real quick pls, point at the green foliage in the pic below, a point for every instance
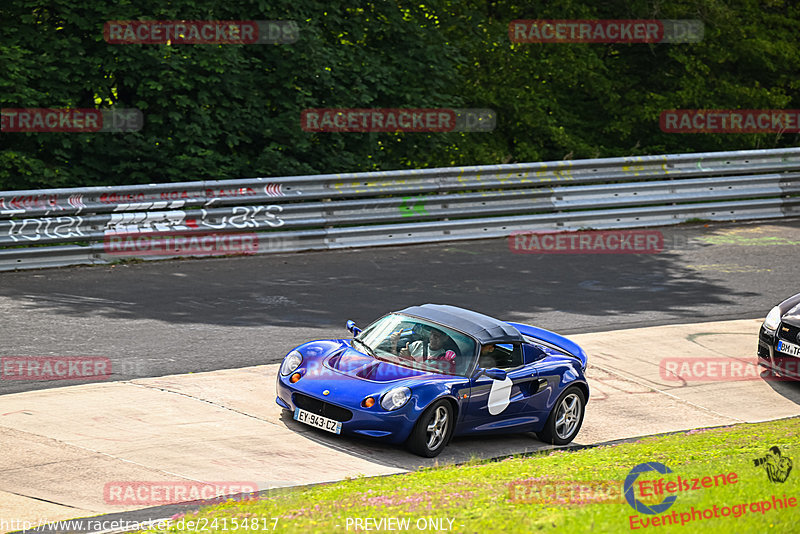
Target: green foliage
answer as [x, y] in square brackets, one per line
[233, 111]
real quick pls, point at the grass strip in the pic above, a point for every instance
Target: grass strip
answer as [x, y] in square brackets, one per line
[566, 491]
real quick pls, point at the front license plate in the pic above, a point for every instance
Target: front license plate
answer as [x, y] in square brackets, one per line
[318, 421]
[788, 348]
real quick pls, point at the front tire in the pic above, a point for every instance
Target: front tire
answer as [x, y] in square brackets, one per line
[432, 431]
[566, 417]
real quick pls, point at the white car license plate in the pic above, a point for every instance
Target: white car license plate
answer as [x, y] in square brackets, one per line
[788, 348]
[318, 421]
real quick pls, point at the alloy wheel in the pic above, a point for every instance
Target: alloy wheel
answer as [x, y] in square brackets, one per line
[437, 428]
[568, 415]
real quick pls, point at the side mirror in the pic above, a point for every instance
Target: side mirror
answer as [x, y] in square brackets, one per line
[351, 326]
[493, 373]
[496, 374]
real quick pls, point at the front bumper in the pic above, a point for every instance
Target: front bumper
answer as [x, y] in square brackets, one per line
[344, 405]
[771, 358]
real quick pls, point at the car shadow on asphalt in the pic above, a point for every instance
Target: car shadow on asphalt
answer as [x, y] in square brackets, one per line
[460, 449]
[785, 387]
[323, 289]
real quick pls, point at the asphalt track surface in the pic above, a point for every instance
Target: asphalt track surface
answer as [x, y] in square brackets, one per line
[182, 316]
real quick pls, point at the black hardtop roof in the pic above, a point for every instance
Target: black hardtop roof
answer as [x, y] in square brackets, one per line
[482, 327]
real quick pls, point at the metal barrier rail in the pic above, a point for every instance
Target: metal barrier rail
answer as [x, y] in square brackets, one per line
[397, 207]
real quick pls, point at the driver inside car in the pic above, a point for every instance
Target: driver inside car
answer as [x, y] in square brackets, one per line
[429, 352]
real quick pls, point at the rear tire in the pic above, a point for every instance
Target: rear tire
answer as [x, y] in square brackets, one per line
[433, 430]
[566, 417]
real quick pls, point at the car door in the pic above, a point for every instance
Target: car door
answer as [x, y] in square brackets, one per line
[502, 405]
[548, 380]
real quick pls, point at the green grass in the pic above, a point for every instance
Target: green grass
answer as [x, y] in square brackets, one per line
[476, 496]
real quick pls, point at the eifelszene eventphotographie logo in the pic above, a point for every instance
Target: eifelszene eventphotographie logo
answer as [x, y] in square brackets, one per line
[668, 486]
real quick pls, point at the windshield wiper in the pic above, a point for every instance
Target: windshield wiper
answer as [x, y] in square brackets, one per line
[369, 349]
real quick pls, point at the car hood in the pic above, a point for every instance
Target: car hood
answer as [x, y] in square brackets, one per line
[353, 363]
[792, 316]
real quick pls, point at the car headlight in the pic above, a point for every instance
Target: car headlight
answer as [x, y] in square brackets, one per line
[395, 398]
[291, 362]
[773, 319]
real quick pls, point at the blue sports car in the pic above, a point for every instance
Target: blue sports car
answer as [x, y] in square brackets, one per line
[427, 373]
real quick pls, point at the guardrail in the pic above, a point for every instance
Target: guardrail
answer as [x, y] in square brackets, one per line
[91, 225]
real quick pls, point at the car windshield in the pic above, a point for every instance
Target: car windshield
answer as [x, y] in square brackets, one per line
[420, 344]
